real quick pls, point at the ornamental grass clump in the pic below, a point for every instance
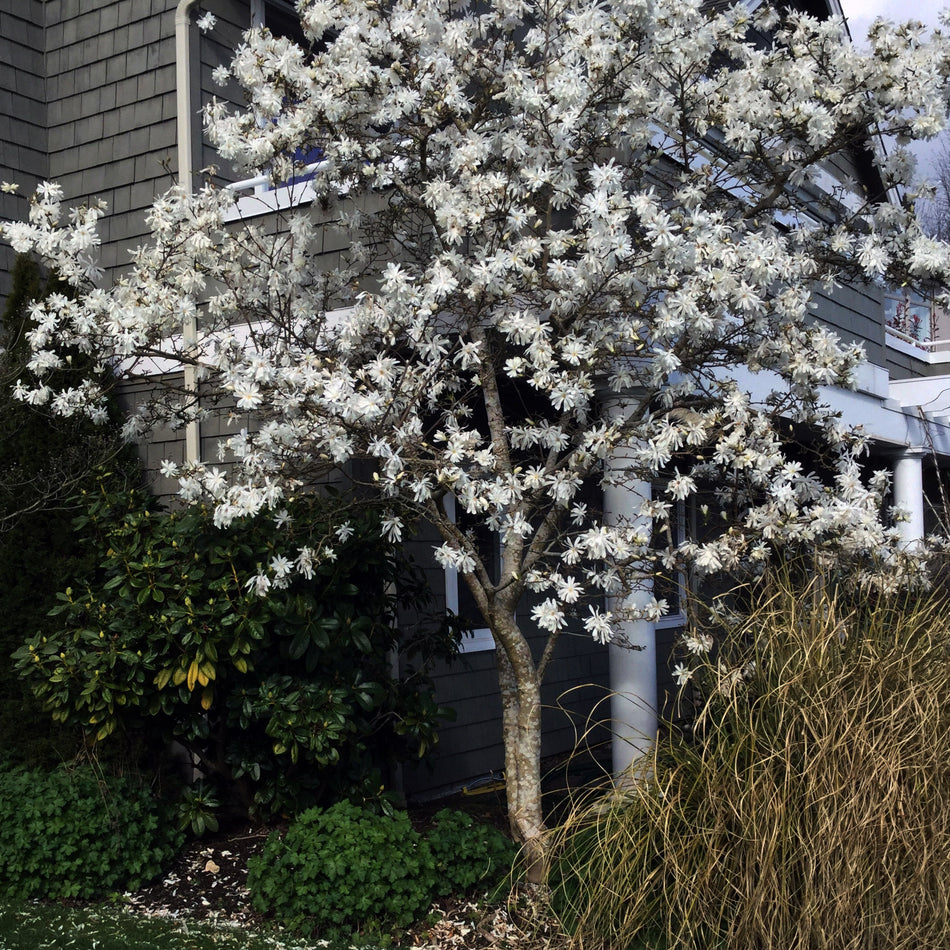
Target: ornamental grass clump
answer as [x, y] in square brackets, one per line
[805, 808]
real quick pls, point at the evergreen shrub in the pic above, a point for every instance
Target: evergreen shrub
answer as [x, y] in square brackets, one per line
[283, 701]
[76, 834]
[344, 869]
[46, 462]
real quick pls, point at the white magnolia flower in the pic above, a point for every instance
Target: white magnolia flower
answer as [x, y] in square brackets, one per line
[215, 482]
[548, 616]
[682, 674]
[391, 527]
[569, 591]
[698, 643]
[306, 561]
[599, 625]
[344, 532]
[259, 584]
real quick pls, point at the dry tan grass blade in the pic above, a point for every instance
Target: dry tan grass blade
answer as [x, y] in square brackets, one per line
[809, 808]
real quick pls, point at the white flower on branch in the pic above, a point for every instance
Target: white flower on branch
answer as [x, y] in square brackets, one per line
[549, 616]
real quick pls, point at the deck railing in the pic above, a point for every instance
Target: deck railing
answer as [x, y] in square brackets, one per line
[259, 195]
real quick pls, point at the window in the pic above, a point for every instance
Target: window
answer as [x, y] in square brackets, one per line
[458, 598]
[280, 17]
[908, 315]
[256, 196]
[671, 585]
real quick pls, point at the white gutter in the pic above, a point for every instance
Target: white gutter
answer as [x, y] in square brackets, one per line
[184, 106]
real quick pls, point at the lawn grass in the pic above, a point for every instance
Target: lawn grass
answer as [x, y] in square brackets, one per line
[37, 926]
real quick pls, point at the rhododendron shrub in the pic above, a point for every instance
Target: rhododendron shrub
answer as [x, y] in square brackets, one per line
[568, 227]
[309, 695]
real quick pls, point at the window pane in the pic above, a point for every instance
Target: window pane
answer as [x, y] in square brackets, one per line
[909, 314]
[283, 20]
[487, 547]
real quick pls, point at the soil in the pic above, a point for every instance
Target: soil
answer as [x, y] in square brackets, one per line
[208, 880]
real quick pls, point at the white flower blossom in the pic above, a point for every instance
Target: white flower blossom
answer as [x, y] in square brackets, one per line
[391, 527]
[682, 674]
[599, 625]
[698, 643]
[569, 591]
[206, 22]
[259, 584]
[548, 616]
[306, 561]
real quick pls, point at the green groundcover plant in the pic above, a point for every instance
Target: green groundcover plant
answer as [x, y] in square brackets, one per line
[806, 805]
[344, 869]
[78, 834]
[282, 700]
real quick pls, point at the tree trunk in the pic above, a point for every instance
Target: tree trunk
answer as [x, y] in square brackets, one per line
[521, 728]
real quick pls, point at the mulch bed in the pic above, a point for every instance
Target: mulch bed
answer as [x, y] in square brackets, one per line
[208, 881]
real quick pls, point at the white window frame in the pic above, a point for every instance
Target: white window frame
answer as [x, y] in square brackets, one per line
[480, 639]
[257, 196]
[678, 580]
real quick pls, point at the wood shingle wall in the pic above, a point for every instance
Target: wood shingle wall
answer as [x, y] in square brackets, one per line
[23, 123]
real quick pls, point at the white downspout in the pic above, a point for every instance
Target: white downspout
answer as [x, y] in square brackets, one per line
[184, 108]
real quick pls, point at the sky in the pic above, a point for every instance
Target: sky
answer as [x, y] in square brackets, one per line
[861, 13]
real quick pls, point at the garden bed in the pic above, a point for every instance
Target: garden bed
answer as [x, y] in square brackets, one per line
[202, 900]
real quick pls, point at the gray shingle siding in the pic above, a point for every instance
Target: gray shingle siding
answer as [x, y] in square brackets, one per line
[857, 315]
[23, 133]
[111, 95]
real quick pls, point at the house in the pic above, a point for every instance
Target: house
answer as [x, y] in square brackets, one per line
[103, 96]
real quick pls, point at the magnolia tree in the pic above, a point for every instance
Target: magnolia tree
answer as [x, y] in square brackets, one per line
[568, 226]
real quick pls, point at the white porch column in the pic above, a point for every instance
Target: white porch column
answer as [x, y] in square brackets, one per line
[909, 494]
[633, 699]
